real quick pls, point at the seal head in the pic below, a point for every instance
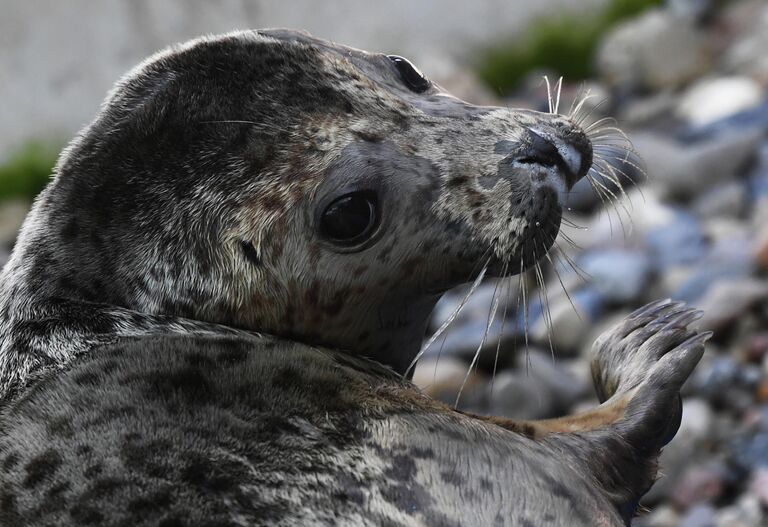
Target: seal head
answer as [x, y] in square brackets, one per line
[273, 182]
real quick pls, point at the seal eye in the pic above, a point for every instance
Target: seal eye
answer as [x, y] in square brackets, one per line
[350, 219]
[411, 76]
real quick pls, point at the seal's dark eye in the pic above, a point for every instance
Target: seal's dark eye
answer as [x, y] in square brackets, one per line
[350, 219]
[411, 76]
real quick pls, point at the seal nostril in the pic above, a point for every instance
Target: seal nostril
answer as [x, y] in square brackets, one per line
[569, 156]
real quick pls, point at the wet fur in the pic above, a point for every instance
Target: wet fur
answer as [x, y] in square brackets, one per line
[136, 390]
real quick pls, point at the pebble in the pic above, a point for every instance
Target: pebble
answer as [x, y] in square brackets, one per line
[618, 275]
[726, 300]
[442, 379]
[701, 515]
[710, 100]
[680, 171]
[655, 50]
[519, 396]
[570, 322]
[724, 199]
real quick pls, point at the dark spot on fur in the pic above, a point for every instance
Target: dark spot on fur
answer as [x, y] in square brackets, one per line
[7, 502]
[61, 426]
[350, 491]
[86, 379]
[208, 476]
[452, 477]
[71, 229]
[149, 503]
[422, 453]
[147, 457]
[199, 360]
[42, 467]
[233, 356]
[84, 450]
[403, 468]
[93, 471]
[189, 383]
[10, 461]
[173, 521]
[86, 515]
[250, 252]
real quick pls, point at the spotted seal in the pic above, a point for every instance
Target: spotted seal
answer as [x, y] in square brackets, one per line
[209, 311]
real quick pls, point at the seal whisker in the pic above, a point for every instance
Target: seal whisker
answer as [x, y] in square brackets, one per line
[549, 94]
[562, 284]
[544, 301]
[570, 241]
[447, 321]
[559, 86]
[491, 316]
[613, 198]
[581, 273]
[508, 285]
[570, 223]
[574, 114]
[523, 290]
[580, 120]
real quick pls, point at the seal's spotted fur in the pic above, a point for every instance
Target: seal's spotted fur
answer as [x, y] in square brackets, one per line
[183, 219]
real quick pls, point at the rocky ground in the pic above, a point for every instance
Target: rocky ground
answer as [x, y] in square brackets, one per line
[688, 85]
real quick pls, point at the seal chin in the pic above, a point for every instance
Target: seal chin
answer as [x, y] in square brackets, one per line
[539, 232]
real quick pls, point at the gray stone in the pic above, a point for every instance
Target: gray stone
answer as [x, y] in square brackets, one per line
[662, 516]
[478, 305]
[746, 512]
[699, 483]
[520, 396]
[681, 172]
[654, 50]
[679, 242]
[687, 446]
[702, 515]
[552, 375]
[727, 300]
[463, 339]
[747, 54]
[570, 322]
[725, 199]
[442, 379]
[620, 276]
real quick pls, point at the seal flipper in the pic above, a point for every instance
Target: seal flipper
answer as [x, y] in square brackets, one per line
[638, 369]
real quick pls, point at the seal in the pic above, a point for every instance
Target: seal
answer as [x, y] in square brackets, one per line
[210, 311]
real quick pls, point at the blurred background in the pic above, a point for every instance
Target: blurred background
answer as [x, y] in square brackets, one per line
[685, 79]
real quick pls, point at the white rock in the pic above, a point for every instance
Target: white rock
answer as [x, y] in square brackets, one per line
[711, 99]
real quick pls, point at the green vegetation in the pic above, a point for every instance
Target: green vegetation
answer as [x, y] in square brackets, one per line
[565, 44]
[27, 171]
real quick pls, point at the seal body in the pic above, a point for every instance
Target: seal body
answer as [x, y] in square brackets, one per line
[209, 311]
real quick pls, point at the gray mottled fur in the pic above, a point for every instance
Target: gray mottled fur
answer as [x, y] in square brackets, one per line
[137, 380]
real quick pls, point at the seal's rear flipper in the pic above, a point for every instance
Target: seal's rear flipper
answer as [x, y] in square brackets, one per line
[638, 369]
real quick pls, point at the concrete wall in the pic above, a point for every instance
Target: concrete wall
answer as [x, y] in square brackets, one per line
[58, 58]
